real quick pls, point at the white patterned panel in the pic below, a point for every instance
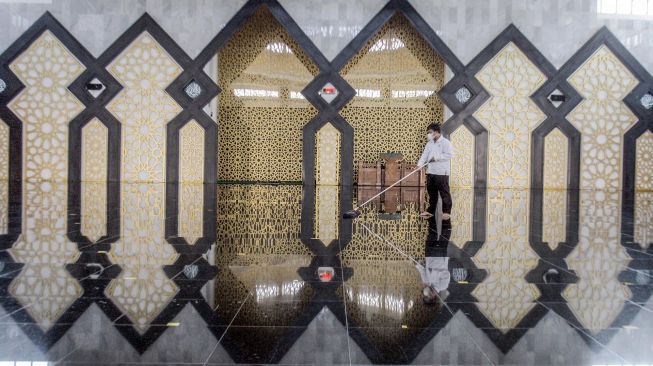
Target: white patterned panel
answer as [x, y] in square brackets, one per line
[95, 151]
[143, 108]
[4, 177]
[462, 183]
[191, 181]
[644, 190]
[45, 108]
[554, 205]
[602, 118]
[509, 115]
[505, 297]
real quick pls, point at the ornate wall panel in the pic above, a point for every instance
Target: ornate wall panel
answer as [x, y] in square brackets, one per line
[505, 297]
[644, 187]
[95, 147]
[327, 210]
[143, 108]
[191, 181]
[261, 111]
[509, 115]
[554, 210]
[462, 182]
[602, 118]
[45, 107]
[4, 176]
[396, 75]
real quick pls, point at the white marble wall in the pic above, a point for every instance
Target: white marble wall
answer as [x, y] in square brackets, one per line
[556, 27]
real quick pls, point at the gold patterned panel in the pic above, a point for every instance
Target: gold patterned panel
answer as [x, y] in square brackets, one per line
[4, 177]
[554, 208]
[396, 75]
[327, 208]
[509, 115]
[505, 297]
[602, 117]
[191, 179]
[407, 233]
[644, 190]
[327, 141]
[261, 112]
[45, 107]
[95, 150]
[598, 297]
[462, 182]
[143, 108]
[462, 163]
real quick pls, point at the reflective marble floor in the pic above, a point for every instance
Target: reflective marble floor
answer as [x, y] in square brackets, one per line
[271, 274]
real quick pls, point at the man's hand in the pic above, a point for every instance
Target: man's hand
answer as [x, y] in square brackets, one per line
[433, 158]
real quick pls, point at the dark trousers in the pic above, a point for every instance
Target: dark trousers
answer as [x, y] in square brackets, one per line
[438, 184]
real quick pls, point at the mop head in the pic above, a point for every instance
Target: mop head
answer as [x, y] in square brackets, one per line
[351, 214]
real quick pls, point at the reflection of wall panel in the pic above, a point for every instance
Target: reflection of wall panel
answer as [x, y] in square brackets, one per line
[509, 115]
[554, 209]
[602, 118]
[462, 182]
[261, 111]
[191, 179]
[4, 177]
[255, 219]
[45, 108]
[396, 75]
[143, 108]
[407, 233]
[505, 297]
[95, 149]
[644, 187]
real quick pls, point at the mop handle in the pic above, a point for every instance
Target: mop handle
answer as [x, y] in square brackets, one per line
[390, 243]
[393, 184]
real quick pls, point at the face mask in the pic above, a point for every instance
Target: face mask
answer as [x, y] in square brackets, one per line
[429, 136]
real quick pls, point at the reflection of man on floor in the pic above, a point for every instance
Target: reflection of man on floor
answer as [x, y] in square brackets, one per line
[437, 152]
[435, 273]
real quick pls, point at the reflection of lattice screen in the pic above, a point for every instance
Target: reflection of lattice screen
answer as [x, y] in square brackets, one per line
[644, 190]
[144, 109]
[396, 74]
[602, 118]
[261, 112]
[4, 176]
[45, 108]
[408, 234]
[256, 219]
[509, 115]
[554, 205]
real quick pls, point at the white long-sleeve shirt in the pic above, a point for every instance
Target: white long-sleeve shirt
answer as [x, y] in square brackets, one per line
[436, 273]
[441, 152]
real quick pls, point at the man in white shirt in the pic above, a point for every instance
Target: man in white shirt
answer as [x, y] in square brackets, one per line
[437, 152]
